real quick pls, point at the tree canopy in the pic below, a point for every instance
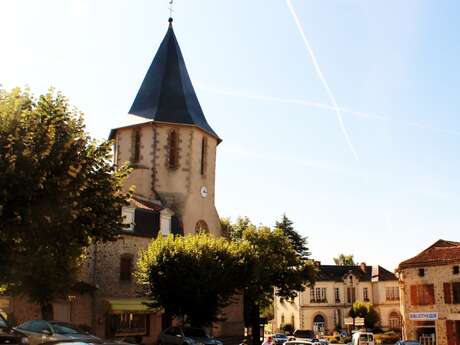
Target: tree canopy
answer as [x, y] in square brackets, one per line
[275, 266]
[192, 277]
[366, 311]
[344, 260]
[59, 193]
[298, 242]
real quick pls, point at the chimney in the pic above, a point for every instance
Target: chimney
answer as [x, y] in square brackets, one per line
[362, 265]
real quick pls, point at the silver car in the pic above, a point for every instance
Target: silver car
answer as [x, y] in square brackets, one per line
[41, 331]
[186, 336]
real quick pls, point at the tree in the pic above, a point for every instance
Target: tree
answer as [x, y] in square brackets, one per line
[59, 193]
[298, 242]
[344, 260]
[366, 311]
[273, 267]
[191, 277]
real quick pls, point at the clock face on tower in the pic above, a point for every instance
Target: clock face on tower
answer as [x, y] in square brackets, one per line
[204, 191]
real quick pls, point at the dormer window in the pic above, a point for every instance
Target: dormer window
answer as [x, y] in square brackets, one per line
[172, 143]
[128, 218]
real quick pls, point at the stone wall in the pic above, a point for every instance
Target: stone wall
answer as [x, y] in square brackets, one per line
[437, 275]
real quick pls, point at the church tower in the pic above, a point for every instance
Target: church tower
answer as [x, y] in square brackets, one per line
[170, 146]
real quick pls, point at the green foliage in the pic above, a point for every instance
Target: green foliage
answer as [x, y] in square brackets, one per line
[58, 193]
[367, 311]
[273, 267]
[344, 260]
[298, 242]
[193, 276]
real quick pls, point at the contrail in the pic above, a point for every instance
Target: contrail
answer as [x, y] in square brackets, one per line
[303, 102]
[317, 105]
[323, 80]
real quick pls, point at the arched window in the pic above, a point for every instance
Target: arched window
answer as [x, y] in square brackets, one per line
[126, 267]
[319, 324]
[204, 144]
[172, 143]
[201, 226]
[137, 146]
[394, 320]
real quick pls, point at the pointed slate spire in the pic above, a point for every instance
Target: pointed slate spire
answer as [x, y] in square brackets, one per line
[167, 94]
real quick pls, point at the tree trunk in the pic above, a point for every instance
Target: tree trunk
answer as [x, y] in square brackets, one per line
[255, 324]
[47, 311]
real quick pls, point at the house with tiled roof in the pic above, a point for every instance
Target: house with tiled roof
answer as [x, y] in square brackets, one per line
[324, 306]
[430, 294]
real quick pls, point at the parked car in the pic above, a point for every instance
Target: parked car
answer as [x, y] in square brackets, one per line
[298, 342]
[407, 342]
[304, 334]
[41, 331]
[9, 336]
[363, 338]
[280, 338]
[186, 336]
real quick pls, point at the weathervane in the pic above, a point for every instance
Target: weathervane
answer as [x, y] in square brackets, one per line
[170, 9]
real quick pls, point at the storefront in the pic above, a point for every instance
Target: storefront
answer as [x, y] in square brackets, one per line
[129, 317]
[425, 327]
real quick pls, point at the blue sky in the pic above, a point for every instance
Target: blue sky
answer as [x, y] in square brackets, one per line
[391, 66]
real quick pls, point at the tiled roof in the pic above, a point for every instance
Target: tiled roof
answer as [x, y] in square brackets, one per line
[442, 252]
[370, 273]
[146, 205]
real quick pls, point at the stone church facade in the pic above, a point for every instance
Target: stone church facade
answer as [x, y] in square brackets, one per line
[168, 142]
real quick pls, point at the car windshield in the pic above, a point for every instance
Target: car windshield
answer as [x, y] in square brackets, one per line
[3, 323]
[66, 328]
[194, 332]
[410, 342]
[279, 335]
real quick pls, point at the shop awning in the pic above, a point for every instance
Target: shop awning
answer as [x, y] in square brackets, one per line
[129, 305]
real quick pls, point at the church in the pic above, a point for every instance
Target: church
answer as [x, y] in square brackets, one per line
[171, 148]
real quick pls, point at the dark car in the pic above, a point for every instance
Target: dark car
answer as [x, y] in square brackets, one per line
[9, 336]
[304, 334]
[280, 338]
[41, 331]
[186, 336]
[407, 342]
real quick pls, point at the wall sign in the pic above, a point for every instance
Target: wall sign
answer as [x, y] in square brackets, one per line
[428, 316]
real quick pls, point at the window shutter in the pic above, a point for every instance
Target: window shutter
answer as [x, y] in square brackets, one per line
[430, 293]
[125, 268]
[413, 294]
[447, 293]
[451, 338]
[353, 294]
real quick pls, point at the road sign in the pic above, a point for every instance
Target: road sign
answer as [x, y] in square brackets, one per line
[359, 321]
[348, 320]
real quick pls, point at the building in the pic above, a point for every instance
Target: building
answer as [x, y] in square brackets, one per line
[172, 149]
[430, 294]
[324, 306]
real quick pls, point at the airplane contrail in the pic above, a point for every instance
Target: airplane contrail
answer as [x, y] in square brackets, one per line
[323, 80]
[303, 102]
